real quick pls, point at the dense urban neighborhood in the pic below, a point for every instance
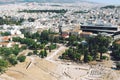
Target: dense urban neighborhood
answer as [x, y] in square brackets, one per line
[59, 41]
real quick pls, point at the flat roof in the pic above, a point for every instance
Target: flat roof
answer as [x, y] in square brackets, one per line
[99, 25]
[100, 30]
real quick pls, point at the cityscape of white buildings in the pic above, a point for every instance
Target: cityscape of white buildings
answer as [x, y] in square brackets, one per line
[76, 15]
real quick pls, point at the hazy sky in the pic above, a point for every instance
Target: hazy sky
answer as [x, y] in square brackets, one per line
[107, 1]
[98, 1]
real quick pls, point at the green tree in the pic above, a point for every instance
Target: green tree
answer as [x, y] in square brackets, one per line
[45, 53]
[31, 19]
[42, 46]
[12, 59]
[21, 58]
[116, 51]
[3, 65]
[51, 38]
[93, 46]
[44, 36]
[42, 54]
[30, 53]
[118, 65]
[103, 44]
[89, 58]
[85, 55]
[72, 38]
[35, 52]
[5, 34]
[15, 50]
[36, 35]
[56, 39]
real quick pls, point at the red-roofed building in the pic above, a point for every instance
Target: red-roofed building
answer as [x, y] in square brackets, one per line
[85, 34]
[65, 35]
[7, 44]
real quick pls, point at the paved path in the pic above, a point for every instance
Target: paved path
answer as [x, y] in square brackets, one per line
[58, 51]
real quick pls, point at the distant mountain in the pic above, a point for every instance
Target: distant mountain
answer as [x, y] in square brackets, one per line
[61, 1]
[44, 1]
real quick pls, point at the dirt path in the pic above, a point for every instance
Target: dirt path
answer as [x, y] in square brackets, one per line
[60, 50]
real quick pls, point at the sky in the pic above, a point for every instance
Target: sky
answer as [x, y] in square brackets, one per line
[107, 1]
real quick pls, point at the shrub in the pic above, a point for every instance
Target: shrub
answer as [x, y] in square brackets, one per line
[104, 57]
[118, 65]
[13, 61]
[21, 58]
[30, 53]
[3, 65]
[90, 58]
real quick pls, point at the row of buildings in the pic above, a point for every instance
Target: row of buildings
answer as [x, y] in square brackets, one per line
[80, 21]
[7, 40]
